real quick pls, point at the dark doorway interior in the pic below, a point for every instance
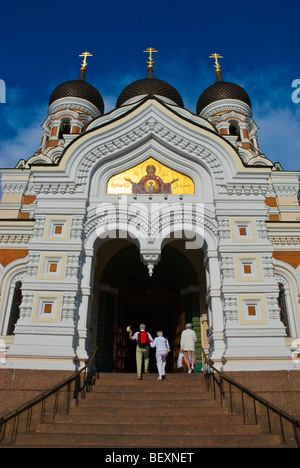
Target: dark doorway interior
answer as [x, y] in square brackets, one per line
[157, 301]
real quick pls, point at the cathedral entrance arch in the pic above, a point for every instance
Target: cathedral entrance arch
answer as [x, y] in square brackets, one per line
[127, 295]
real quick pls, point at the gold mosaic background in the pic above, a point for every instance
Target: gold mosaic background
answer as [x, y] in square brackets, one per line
[119, 185]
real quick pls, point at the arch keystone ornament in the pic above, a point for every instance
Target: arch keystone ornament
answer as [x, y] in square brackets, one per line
[150, 259]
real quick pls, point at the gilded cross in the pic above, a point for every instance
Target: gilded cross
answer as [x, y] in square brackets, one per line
[151, 61]
[85, 55]
[217, 65]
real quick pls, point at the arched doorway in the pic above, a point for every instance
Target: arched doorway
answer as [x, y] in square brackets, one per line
[164, 301]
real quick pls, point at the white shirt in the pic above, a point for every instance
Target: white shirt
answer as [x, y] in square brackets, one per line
[188, 340]
[161, 344]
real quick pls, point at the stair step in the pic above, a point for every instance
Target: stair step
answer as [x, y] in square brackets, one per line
[151, 429]
[123, 412]
[108, 418]
[146, 440]
[140, 411]
[195, 380]
[125, 395]
[147, 404]
[160, 386]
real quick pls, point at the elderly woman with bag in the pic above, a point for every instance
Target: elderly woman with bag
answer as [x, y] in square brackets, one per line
[187, 346]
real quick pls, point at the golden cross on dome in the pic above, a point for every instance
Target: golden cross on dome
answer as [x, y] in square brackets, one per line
[85, 55]
[217, 65]
[151, 61]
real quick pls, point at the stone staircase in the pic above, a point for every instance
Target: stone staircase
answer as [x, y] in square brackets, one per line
[122, 412]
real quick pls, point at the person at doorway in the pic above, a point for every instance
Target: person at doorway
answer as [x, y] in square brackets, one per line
[143, 339]
[162, 349]
[187, 346]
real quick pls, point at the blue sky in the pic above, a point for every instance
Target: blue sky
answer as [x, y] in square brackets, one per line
[40, 43]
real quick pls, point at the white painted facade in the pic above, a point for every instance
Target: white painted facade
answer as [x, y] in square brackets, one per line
[69, 180]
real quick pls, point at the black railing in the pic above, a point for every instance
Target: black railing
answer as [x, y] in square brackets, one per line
[48, 404]
[254, 409]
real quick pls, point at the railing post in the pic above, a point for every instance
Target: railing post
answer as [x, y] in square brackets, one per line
[296, 436]
[243, 407]
[231, 403]
[255, 412]
[282, 430]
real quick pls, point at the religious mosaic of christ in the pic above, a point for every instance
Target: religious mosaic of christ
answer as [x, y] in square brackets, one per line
[150, 177]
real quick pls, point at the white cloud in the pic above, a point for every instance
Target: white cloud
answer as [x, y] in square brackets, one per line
[22, 146]
[279, 137]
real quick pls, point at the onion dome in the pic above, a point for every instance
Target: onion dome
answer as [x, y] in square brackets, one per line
[150, 86]
[221, 90]
[80, 89]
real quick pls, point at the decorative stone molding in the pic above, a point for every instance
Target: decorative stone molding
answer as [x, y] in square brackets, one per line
[73, 103]
[227, 267]
[13, 187]
[73, 266]
[150, 126]
[231, 310]
[245, 189]
[242, 331]
[69, 307]
[15, 239]
[224, 228]
[226, 105]
[45, 330]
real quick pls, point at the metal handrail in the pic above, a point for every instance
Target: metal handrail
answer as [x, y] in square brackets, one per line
[14, 415]
[256, 399]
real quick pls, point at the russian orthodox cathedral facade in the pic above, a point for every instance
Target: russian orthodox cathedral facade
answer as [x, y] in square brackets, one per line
[149, 213]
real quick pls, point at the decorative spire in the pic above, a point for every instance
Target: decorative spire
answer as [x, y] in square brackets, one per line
[217, 66]
[150, 62]
[83, 65]
[85, 55]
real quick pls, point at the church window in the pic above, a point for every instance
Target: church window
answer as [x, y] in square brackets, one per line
[15, 308]
[283, 308]
[84, 127]
[58, 229]
[247, 267]
[234, 129]
[53, 267]
[47, 308]
[243, 230]
[252, 310]
[65, 128]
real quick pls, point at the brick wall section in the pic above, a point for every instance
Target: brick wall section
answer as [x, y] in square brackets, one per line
[290, 257]
[9, 255]
[18, 386]
[28, 199]
[271, 201]
[282, 388]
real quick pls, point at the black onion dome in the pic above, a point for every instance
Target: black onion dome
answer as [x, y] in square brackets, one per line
[78, 88]
[222, 90]
[150, 86]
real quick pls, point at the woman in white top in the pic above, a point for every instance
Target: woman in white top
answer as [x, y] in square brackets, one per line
[162, 349]
[187, 346]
